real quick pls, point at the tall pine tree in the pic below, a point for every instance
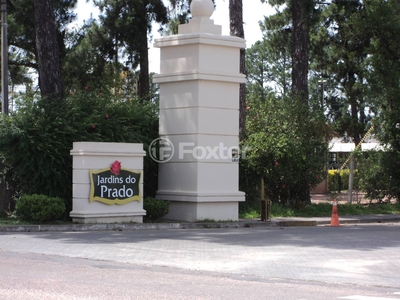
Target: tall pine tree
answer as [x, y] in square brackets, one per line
[129, 22]
[48, 55]
[236, 29]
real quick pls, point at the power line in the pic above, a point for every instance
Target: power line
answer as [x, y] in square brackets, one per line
[357, 147]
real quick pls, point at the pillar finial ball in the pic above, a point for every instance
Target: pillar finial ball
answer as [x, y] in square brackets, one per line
[202, 8]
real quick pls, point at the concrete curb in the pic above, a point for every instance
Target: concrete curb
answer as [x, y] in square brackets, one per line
[344, 220]
[278, 222]
[133, 226]
[297, 223]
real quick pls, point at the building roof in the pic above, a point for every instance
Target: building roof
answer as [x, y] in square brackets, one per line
[345, 145]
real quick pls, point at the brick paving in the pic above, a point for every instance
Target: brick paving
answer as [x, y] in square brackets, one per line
[367, 255]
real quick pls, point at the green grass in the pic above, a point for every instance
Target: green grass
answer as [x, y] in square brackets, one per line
[15, 221]
[277, 211]
[9, 221]
[324, 210]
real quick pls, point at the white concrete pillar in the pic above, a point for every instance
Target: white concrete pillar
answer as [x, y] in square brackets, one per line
[199, 115]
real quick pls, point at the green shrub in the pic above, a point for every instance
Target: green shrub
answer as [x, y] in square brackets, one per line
[35, 144]
[380, 174]
[339, 180]
[285, 148]
[155, 208]
[40, 208]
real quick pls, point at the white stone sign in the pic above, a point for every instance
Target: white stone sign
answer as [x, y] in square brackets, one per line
[107, 182]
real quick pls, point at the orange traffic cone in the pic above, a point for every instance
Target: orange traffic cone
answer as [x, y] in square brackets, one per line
[335, 216]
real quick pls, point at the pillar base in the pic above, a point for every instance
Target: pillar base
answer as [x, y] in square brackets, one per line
[192, 207]
[84, 218]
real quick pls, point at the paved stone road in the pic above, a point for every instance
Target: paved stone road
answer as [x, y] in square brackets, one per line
[366, 255]
[47, 277]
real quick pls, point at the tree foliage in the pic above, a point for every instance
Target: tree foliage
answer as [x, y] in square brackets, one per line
[380, 174]
[127, 24]
[179, 13]
[384, 69]
[279, 134]
[36, 143]
[109, 49]
[381, 169]
[287, 146]
[47, 53]
[276, 50]
[352, 44]
[353, 50]
[21, 30]
[340, 49]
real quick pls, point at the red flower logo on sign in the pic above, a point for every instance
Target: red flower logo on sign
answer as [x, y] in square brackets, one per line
[115, 167]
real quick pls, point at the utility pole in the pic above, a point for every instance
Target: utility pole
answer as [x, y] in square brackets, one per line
[351, 159]
[4, 58]
[351, 178]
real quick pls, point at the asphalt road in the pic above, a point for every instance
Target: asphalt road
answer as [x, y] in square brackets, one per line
[347, 262]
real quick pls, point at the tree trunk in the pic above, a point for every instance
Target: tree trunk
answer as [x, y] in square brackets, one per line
[300, 50]
[6, 192]
[143, 84]
[300, 55]
[236, 29]
[48, 57]
[356, 128]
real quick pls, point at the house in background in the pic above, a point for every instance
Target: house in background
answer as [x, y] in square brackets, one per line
[342, 147]
[340, 150]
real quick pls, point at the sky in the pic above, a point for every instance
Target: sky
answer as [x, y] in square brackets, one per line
[253, 12]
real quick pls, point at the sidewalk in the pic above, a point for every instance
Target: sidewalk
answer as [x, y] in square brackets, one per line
[342, 198]
[243, 223]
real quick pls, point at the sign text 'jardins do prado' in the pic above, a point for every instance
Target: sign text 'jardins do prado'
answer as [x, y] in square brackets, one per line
[115, 185]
